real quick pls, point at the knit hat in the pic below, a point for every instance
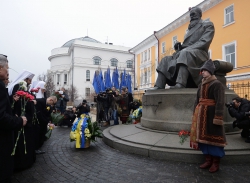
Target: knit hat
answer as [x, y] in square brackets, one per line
[208, 66]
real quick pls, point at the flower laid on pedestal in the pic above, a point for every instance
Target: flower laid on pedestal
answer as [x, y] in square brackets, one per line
[84, 131]
[24, 97]
[137, 114]
[183, 136]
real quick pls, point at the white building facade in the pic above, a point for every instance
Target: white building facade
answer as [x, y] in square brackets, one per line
[75, 63]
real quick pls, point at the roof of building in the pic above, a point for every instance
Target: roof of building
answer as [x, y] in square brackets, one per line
[86, 38]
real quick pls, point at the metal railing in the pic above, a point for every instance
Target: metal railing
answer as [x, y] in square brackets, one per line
[241, 89]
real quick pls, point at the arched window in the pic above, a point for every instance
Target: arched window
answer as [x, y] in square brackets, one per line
[97, 60]
[113, 62]
[87, 75]
[129, 64]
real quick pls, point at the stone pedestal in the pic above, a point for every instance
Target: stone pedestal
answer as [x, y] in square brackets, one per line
[172, 109]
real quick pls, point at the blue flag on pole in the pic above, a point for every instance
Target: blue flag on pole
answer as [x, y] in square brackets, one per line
[95, 84]
[100, 80]
[115, 78]
[123, 81]
[128, 83]
[108, 83]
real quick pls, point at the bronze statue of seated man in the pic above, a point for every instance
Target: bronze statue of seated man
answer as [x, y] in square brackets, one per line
[181, 70]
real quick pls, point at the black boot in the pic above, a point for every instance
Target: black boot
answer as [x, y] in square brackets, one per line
[181, 80]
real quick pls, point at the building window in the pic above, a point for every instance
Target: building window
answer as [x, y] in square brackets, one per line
[113, 62]
[129, 64]
[145, 56]
[97, 60]
[229, 14]
[149, 54]
[141, 57]
[174, 40]
[163, 47]
[87, 92]
[141, 79]
[148, 79]
[230, 54]
[58, 79]
[65, 78]
[87, 75]
[145, 77]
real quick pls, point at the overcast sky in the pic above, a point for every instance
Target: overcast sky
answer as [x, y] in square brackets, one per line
[30, 29]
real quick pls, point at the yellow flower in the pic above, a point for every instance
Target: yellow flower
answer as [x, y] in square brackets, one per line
[86, 130]
[83, 115]
[48, 108]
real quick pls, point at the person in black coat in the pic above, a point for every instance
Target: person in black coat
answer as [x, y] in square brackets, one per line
[8, 123]
[83, 108]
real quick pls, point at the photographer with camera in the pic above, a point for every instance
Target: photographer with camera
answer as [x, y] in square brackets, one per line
[82, 108]
[62, 102]
[237, 109]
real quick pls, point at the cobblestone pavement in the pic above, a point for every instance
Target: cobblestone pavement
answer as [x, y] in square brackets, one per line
[62, 162]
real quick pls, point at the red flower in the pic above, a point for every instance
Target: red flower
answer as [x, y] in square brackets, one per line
[35, 89]
[21, 93]
[183, 136]
[29, 96]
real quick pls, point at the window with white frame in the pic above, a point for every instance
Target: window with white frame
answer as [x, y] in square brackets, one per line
[87, 75]
[65, 78]
[97, 60]
[230, 54]
[87, 92]
[58, 79]
[113, 62]
[129, 64]
[141, 79]
[163, 47]
[229, 14]
[141, 57]
[174, 40]
[145, 56]
[149, 54]
[145, 76]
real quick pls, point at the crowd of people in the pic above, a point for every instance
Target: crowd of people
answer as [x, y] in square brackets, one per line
[112, 104]
[25, 116]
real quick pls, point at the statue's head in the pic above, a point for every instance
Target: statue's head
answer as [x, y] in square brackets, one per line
[195, 13]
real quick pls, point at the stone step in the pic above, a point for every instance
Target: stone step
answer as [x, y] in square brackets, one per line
[163, 145]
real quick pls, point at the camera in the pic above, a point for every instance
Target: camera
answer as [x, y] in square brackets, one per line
[229, 104]
[247, 113]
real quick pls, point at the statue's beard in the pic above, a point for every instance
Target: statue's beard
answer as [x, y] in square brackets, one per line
[193, 22]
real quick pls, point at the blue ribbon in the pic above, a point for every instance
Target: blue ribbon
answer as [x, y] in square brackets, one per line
[75, 125]
[84, 125]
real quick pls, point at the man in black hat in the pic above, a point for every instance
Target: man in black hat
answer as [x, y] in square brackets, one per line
[181, 70]
[83, 108]
[207, 132]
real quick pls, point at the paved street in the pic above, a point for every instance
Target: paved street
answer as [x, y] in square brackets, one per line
[100, 163]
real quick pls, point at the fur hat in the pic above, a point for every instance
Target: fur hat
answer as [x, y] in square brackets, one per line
[208, 66]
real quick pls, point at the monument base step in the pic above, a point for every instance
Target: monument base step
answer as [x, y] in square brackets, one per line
[136, 139]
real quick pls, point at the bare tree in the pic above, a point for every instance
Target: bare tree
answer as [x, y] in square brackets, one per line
[73, 93]
[50, 87]
[47, 78]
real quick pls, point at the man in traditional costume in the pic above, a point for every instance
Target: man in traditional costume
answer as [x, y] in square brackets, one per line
[181, 70]
[8, 123]
[207, 131]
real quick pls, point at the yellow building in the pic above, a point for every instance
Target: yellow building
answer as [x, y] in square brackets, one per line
[230, 43]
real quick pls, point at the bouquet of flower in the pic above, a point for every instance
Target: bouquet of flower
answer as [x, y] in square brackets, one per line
[58, 95]
[83, 130]
[22, 86]
[24, 98]
[49, 131]
[35, 90]
[137, 113]
[56, 118]
[183, 136]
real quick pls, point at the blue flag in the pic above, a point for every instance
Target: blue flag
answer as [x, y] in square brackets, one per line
[115, 78]
[95, 84]
[108, 83]
[123, 80]
[100, 81]
[128, 83]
